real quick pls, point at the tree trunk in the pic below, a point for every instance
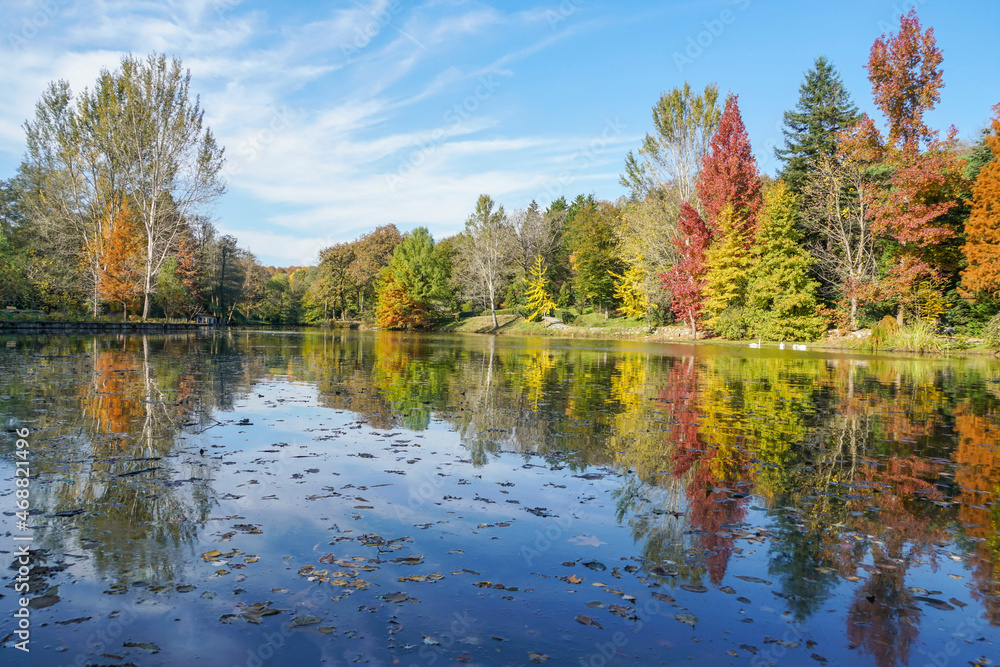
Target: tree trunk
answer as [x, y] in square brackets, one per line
[899, 315]
[493, 311]
[854, 313]
[694, 328]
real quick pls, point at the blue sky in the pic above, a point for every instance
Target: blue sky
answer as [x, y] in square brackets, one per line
[341, 116]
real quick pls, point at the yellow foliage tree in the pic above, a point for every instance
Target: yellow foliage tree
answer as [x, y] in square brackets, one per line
[630, 289]
[540, 302]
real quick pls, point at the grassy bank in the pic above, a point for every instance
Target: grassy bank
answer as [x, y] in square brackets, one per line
[919, 338]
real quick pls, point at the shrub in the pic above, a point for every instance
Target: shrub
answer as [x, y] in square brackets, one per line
[991, 333]
[732, 323]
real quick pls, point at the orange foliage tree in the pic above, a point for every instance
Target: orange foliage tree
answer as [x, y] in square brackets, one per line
[121, 270]
[982, 231]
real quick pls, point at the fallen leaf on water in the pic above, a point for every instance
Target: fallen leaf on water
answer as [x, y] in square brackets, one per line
[587, 620]
[624, 612]
[753, 580]
[694, 588]
[663, 597]
[152, 648]
[690, 619]
[398, 598]
[299, 621]
[572, 579]
[537, 657]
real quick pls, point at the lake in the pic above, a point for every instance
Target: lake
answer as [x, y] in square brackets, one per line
[275, 498]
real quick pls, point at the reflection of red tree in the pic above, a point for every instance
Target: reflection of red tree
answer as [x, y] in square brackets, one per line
[882, 619]
[711, 468]
[977, 458]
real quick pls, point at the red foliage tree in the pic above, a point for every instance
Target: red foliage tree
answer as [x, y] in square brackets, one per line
[921, 175]
[684, 280]
[906, 80]
[729, 172]
[982, 230]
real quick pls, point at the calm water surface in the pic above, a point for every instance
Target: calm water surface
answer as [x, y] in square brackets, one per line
[307, 498]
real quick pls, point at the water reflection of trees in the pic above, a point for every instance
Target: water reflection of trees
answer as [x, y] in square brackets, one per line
[865, 466]
[106, 440]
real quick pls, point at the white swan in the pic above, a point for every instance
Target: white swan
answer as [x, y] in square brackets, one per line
[755, 345]
[800, 348]
[781, 346]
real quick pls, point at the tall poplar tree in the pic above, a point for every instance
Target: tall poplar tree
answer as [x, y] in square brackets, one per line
[671, 157]
[823, 111]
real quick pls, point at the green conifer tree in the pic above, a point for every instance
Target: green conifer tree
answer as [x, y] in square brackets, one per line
[823, 110]
[781, 296]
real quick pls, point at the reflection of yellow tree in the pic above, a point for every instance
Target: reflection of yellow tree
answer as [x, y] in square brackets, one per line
[537, 366]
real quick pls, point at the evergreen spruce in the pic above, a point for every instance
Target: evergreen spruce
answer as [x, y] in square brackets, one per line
[824, 109]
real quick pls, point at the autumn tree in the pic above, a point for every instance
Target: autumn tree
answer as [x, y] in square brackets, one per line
[484, 252]
[646, 235]
[120, 264]
[781, 295]
[671, 157]
[539, 301]
[413, 283]
[982, 231]
[729, 175]
[727, 264]
[917, 176]
[630, 288]
[835, 212]
[170, 163]
[684, 281]
[823, 111]
[335, 276]
[139, 131]
[372, 252]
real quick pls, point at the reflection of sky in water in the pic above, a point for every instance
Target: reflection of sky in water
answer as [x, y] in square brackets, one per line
[536, 547]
